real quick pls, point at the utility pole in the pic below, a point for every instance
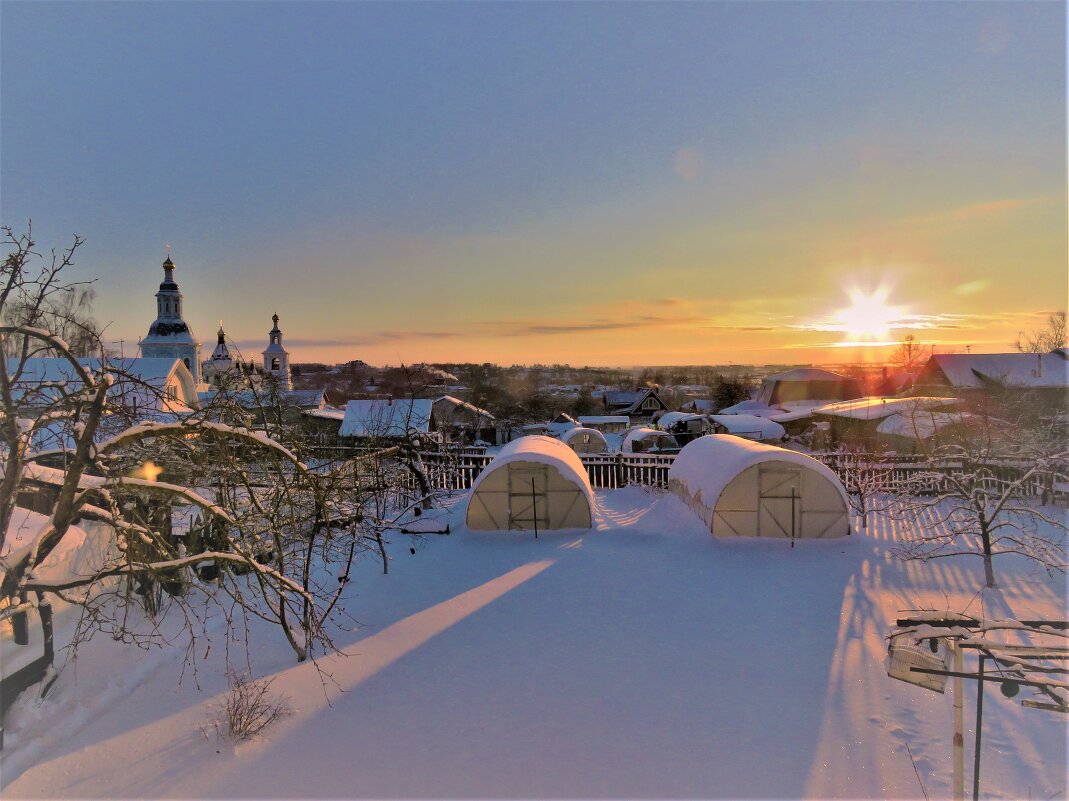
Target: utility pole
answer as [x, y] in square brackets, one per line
[959, 726]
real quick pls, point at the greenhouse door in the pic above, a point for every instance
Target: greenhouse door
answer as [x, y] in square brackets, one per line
[779, 506]
[528, 496]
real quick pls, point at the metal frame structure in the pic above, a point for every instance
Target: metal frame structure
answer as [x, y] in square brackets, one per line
[967, 633]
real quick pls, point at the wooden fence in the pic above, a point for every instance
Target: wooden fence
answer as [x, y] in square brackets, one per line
[457, 471]
[902, 473]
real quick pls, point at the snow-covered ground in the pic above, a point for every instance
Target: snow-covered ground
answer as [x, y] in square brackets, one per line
[641, 659]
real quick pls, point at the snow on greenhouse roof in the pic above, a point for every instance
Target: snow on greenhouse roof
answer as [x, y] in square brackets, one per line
[922, 426]
[879, 408]
[386, 418]
[541, 450]
[706, 465]
[577, 431]
[750, 426]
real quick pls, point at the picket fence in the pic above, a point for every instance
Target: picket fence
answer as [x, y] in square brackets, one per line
[458, 470]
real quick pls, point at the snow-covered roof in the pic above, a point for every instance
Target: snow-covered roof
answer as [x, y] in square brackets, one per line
[702, 405]
[879, 408]
[808, 374]
[386, 418]
[643, 433]
[541, 450]
[328, 413]
[972, 370]
[750, 426]
[55, 369]
[631, 401]
[603, 419]
[139, 382]
[753, 407]
[624, 397]
[457, 403]
[783, 413]
[669, 419]
[706, 465]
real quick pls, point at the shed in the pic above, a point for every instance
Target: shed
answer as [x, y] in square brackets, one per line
[533, 481]
[649, 440]
[585, 440]
[745, 489]
[605, 423]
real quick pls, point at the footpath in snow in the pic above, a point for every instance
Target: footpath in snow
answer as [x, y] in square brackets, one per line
[641, 659]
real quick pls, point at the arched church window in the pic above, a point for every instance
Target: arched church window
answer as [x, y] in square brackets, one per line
[188, 366]
[274, 363]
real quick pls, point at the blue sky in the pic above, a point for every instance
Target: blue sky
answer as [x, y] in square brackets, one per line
[482, 180]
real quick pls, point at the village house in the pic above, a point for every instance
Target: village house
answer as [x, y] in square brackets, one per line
[1043, 376]
[638, 405]
[463, 422]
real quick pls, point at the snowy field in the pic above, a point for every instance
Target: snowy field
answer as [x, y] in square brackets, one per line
[641, 659]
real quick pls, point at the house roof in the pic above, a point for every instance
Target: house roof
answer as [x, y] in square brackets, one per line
[457, 403]
[808, 374]
[973, 370]
[386, 418]
[602, 419]
[702, 405]
[630, 401]
[137, 380]
[55, 369]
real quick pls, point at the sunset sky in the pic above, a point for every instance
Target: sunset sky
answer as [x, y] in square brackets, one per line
[612, 184]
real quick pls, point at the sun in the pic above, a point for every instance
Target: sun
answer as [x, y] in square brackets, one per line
[870, 317]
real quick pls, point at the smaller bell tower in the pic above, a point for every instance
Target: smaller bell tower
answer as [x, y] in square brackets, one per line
[276, 359]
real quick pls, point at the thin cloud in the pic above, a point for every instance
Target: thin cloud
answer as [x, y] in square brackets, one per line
[524, 328]
[744, 328]
[356, 340]
[913, 321]
[983, 210]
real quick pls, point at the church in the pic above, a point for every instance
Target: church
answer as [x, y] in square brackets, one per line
[171, 337]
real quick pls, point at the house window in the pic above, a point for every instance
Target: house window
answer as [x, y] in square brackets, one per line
[650, 403]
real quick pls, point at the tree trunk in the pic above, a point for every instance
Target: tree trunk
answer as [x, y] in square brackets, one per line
[989, 567]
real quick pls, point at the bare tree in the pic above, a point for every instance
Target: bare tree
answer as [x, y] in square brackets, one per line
[978, 496]
[909, 355]
[868, 478]
[270, 541]
[1043, 340]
